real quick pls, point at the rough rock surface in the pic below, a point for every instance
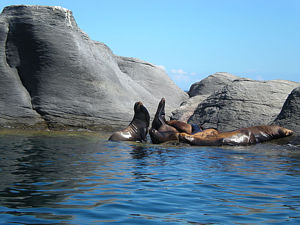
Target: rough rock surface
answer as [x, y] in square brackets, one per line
[199, 91]
[187, 108]
[53, 75]
[243, 103]
[211, 84]
[290, 113]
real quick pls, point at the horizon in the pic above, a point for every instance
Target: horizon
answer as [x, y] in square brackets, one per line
[193, 39]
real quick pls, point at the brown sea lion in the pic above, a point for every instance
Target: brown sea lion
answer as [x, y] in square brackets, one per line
[160, 131]
[137, 130]
[181, 126]
[163, 130]
[243, 136]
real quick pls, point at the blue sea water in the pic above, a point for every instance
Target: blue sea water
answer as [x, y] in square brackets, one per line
[65, 179]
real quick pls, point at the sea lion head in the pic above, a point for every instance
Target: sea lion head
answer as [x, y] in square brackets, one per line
[141, 114]
[284, 132]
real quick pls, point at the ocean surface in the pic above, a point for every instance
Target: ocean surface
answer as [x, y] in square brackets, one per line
[66, 178]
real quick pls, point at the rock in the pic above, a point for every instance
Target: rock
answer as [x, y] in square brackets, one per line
[243, 103]
[187, 108]
[290, 113]
[211, 84]
[199, 91]
[153, 79]
[52, 74]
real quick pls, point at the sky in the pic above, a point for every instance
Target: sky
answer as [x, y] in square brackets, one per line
[191, 39]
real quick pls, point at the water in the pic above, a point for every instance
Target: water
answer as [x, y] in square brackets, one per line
[63, 179]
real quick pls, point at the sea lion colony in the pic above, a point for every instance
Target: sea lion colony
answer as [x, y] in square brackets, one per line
[174, 130]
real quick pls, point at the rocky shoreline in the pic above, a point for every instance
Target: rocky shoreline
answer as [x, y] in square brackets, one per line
[68, 81]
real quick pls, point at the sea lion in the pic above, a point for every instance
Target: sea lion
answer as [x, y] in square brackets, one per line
[243, 136]
[160, 131]
[163, 130]
[137, 130]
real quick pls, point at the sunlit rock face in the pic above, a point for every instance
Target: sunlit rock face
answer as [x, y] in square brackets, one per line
[199, 91]
[227, 102]
[243, 103]
[212, 83]
[54, 76]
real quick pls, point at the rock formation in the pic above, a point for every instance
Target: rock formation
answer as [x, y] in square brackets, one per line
[227, 102]
[243, 103]
[290, 112]
[199, 91]
[53, 75]
[211, 84]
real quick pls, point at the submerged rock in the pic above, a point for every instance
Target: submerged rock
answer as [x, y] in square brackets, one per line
[53, 75]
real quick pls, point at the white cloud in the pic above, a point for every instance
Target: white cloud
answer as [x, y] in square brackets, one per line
[178, 71]
[182, 78]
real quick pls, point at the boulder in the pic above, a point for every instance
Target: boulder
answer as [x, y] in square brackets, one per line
[53, 75]
[211, 84]
[199, 91]
[187, 108]
[290, 113]
[243, 103]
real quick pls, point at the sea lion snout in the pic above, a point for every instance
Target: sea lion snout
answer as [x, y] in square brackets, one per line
[287, 132]
[137, 106]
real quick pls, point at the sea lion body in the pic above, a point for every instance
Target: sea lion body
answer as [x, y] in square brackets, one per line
[137, 130]
[243, 136]
[180, 126]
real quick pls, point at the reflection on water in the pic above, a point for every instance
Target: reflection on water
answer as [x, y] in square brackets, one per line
[79, 180]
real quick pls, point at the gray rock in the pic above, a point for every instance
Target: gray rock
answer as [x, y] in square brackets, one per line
[187, 108]
[289, 116]
[199, 91]
[153, 79]
[53, 74]
[211, 84]
[243, 103]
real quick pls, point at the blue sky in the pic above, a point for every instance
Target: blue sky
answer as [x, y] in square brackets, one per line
[191, 39]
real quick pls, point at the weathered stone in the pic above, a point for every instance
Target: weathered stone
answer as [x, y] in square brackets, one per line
[152, 79]
[290, 113]
[243, 103]
[199, 91]
[52, 73]
[211, 84]
[187, 108]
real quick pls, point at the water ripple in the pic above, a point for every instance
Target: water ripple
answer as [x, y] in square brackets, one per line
[76, 180]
